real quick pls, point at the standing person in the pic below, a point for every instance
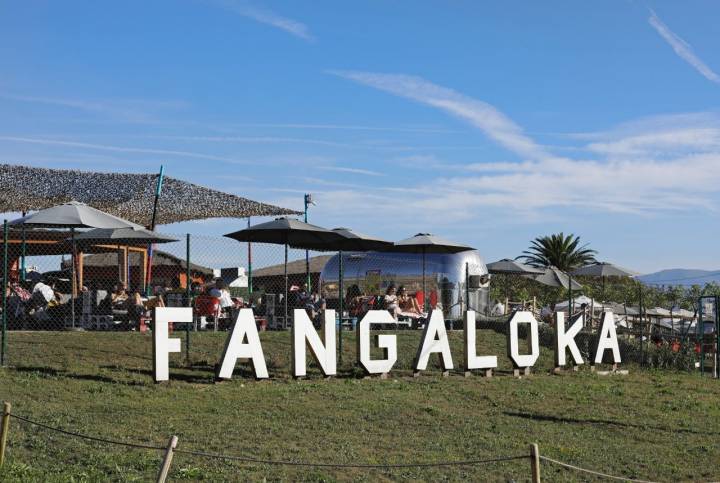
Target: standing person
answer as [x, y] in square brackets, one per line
[220, 291]
[498, 309]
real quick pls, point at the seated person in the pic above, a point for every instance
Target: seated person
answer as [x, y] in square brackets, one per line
[356, 304]
[119, 296]
[408, 304]
[220, 291]
[391, 301]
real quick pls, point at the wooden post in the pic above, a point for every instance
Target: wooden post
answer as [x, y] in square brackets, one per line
[507, 308]
[535, 463]
[4, 429]
[81, 274]
[167, 460]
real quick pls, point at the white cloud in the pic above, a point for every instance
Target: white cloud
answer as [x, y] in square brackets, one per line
[482, 115]
[120, 149]
[340, 169]
[268, 17]
[682, 48]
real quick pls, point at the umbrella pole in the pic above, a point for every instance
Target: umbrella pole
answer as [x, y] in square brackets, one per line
[341, 296]
[249, 256]
[425, 294]
[23, 249]
[570, 307]
[286, 288]
[73, 287]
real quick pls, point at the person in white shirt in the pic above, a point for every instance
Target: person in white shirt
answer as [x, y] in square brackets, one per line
[221, 292]
[498, 309]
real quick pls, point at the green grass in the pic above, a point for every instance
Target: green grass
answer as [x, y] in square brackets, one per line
[649, 424]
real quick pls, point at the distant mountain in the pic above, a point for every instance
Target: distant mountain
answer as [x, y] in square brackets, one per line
[681, 276]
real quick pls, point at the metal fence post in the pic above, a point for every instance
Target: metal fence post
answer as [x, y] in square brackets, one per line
[535, 463]
[3, 345]
[188, 295]
[4, 429]
[167, 460]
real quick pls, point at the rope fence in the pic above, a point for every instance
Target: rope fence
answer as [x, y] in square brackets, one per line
[171, 448]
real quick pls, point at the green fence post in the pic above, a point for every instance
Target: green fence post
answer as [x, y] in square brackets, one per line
[3, 346]
[188, 295]
[700, 329]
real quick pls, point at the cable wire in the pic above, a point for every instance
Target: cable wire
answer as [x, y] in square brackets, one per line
[591, 472]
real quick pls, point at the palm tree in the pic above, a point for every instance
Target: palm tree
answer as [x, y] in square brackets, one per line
[563, 252]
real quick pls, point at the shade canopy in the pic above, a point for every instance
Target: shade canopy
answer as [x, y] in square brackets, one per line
[428, 243]
[122, 236]
[509, 266]
[554, 277]
[126, 195]
[73, 215]
[603, 269]
[353, 241]
[287, 231]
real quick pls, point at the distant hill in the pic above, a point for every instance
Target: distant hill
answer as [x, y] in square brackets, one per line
[681, 276]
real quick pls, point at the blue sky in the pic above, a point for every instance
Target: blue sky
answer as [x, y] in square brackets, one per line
[486, 122]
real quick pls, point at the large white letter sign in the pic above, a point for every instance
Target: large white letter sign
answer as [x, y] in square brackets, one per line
[303, 330]
[566, 340]
[235, 348]
[472, 360]
[434, 340]
[607, 339]
[527, 360]
[162, 345]
[387, 342]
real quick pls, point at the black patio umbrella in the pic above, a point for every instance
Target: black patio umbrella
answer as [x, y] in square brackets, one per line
[427, 243]
[72, 215]
[554, 277]
[289, 232]
[604, 270]
[123, 236]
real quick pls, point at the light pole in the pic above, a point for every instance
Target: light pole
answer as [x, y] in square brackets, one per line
[308, 201]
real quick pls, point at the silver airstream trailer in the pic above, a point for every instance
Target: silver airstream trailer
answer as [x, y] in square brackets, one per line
[454, 282]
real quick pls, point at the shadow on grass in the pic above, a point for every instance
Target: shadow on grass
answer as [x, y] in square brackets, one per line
[607, 422]
[53, 372]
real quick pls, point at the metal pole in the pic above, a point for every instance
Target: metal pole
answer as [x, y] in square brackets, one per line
[425, 294]
[73, 287]
[700, 329]
[306, 199]
[717, 337]
[3, 352]
[341, 296]
[286, 288]
[570, 299]
[158, 190]
[23, 250]
[187, 295]
[642, 324]
[467, 286]
[249, 247]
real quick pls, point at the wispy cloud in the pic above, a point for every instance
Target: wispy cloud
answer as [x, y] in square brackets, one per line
[119, 149]
[268, 17]
[340, 169]
[132, 110]
[482, 115]
[682, 48]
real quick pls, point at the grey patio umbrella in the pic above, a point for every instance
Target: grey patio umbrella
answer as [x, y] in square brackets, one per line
[427, 243]
[72, 215]
[604, 270]
[507, 266]
[289, 232]
[351, 241]
[123, 236]
[554, 277]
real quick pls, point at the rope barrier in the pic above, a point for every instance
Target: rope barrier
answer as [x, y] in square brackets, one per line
[591, 472]
[84, 436]
[351, 465]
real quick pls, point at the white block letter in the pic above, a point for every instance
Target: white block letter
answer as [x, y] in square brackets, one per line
[387, 342]
[434, 341]
[162, 345]
[243, 328]
[607, 339]
[472, 360]
[527, 360]
[566, 340]
[302, 331]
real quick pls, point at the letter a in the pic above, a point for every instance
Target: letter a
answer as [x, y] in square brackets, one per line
[243, 327]
[434, 341]
[607, 339]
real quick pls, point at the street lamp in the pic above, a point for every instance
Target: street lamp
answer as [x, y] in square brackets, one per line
[308, 201]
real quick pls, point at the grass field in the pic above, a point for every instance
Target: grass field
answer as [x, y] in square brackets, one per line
[652, 425]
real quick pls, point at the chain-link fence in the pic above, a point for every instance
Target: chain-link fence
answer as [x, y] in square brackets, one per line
[55, 283]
